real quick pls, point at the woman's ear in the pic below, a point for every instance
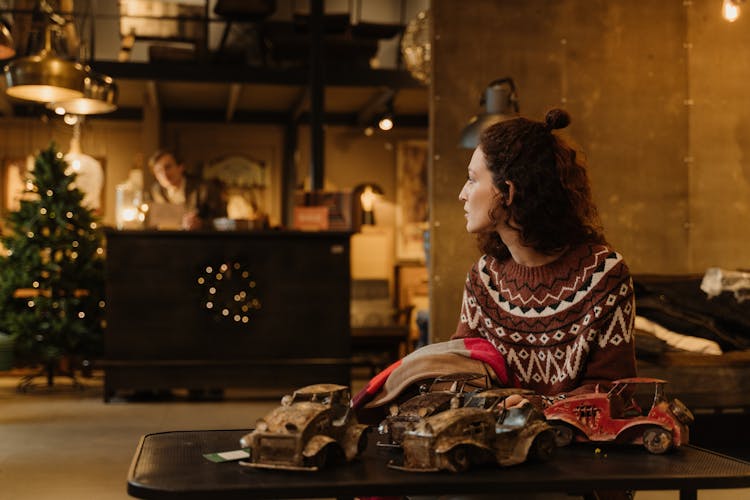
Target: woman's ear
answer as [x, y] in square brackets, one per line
[511, 193]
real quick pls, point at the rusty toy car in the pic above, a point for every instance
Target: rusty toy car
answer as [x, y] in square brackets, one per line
[445, 392]
[483, 431]
[616, 416]
[313, 426]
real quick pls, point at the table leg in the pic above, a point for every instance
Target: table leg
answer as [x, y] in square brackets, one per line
[689, 494]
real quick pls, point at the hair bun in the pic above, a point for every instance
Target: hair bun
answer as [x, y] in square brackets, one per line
[557, 118]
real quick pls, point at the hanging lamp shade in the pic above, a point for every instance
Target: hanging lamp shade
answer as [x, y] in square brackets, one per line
[500, 103]
[45, 77]
[7, 46]
[99, 96]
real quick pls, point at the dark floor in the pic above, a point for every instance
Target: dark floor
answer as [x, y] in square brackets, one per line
[725, 432]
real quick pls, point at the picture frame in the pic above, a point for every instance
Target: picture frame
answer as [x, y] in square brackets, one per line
[412, 214]
[13, 178]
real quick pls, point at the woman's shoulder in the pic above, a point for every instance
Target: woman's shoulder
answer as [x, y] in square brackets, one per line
[597, 253]
[488, 262]
[600, 263]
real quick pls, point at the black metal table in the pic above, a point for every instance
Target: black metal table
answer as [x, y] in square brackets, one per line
[171, 465]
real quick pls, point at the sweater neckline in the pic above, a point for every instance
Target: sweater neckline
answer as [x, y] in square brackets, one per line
[536, 273]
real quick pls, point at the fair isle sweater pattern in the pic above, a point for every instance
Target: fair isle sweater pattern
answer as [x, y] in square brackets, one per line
[558, 326]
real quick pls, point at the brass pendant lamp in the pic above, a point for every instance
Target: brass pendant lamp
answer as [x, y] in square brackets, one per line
[7, 47]
[64, 85]
[99, 96]
[45, 76]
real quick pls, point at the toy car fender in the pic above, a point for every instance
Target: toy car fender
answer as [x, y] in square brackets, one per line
[446, 448]
[315, 444]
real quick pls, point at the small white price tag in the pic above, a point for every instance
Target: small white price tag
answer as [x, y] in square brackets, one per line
[227, 456]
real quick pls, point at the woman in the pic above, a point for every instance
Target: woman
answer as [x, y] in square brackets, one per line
[549, 293]
[549, 306]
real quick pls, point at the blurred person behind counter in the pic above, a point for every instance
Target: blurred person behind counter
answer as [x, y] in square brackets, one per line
[178, 200]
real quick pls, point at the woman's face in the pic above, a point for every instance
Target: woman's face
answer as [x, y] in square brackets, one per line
[479, 195]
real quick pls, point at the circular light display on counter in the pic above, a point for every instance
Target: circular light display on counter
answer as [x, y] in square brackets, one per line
[229, 292]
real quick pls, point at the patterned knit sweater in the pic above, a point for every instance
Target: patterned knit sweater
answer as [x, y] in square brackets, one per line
[559, 326]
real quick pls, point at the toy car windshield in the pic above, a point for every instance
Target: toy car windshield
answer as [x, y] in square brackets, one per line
[326, 394]
[493, 397]
[460, 382]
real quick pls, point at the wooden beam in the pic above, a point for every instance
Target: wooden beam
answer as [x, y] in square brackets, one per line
[152, 94]
[317, 83]
[152, 130]
[200, 115]
[217, 72]
[297, 107]
[376, 105]
[235, 89]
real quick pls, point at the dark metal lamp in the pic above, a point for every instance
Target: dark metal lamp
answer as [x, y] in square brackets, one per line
[500, 103]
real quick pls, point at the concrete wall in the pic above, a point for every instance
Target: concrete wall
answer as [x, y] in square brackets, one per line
[658, 96]
[719, 138]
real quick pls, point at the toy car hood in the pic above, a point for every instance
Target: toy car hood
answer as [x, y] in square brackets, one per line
[285, 418]
[439, 422]
[425, 404]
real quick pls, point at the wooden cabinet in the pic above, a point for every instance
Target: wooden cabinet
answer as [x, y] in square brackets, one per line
[226, 309]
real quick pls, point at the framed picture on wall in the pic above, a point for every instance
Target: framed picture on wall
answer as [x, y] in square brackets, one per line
[89, 172]
[411, 200]
[15, 171]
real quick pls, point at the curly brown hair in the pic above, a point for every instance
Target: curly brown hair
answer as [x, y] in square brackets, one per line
[552, 207]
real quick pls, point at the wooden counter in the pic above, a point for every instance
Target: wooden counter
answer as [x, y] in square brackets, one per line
[175, 315]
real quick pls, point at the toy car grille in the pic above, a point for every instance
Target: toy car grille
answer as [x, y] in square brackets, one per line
[277, 449]
[419, 453]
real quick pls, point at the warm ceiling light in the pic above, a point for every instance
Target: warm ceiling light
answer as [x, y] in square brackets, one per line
[99, 96]
[730, 10]
[385, 123]
[500, 103]
[45, 77]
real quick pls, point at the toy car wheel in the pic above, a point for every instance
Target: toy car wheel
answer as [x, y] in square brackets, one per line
[681, 411]
[458, 459]
[657, 440]
[319, 459]
[544, 446]
[563, 434]
[362, 443]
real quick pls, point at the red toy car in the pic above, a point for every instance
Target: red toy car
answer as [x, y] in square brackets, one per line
[615, 416]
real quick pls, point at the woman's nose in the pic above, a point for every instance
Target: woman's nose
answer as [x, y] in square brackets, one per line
[461, 195]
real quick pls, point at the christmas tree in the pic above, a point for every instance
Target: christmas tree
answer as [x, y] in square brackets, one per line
[52, 270]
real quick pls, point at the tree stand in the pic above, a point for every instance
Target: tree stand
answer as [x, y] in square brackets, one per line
[48, 371]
